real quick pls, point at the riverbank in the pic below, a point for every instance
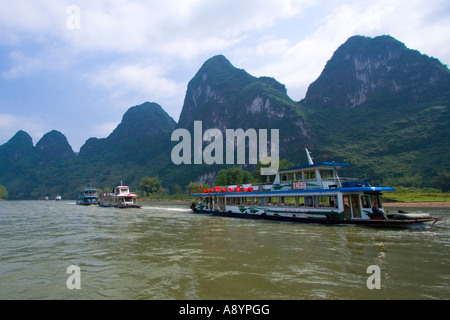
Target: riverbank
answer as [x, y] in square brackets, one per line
[417, 204]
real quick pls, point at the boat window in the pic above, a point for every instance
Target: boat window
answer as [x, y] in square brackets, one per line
[290, 201]
[347, 209]
[306, 201]
[376, 201]
[365, 200]
[234, 201]
[355, 206]
[310, 175]
[257, 201]
[287, 177]
[326, 174]
[273, 201]
[327, 201]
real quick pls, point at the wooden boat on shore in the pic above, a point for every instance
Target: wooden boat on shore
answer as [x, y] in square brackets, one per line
[313, 193]
[119, 198]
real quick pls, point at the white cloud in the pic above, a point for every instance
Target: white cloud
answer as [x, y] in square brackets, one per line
[179, 28]
[10, 124]
[30, 16]
[22, 65]
[144, 79]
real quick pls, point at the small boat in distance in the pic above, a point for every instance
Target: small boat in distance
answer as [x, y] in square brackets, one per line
[313, 193]
[87, 196]
[119, 198]
[58, 198]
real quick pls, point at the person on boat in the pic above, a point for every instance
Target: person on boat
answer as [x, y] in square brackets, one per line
[377, 213]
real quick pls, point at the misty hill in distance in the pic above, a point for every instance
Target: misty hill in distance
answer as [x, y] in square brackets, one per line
[379, 106]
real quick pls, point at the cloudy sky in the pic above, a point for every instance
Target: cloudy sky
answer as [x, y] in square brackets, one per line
[76, 66]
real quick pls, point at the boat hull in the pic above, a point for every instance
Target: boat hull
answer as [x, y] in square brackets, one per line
[128, 206]
[87, 202]
[387, 223]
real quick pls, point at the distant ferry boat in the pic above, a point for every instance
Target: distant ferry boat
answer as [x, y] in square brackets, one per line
[119, 198]
[309, 194]
[87, 196]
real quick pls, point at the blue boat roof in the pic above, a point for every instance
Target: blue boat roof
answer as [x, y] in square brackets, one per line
[331, 164]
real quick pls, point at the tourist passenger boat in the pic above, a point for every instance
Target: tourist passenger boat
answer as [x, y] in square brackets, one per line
[313, 193]
[87, 196]
[119, 198]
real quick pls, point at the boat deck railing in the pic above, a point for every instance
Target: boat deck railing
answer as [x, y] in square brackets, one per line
[285, 185]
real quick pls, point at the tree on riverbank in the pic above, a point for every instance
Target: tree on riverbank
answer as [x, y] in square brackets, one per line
[150, 185]
[233, 176]
[3, 193]
[442, 181]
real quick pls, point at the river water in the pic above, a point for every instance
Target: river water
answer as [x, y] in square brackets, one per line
[163, 251]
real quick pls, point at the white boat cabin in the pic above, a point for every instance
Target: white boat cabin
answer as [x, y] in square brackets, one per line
[314, 176]
[121, 190]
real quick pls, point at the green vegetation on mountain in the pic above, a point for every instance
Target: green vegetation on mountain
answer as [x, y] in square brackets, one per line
[3, 193]
[397, 132]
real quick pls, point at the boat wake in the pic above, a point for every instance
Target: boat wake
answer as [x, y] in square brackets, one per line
[418, 225]
[167, 209]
